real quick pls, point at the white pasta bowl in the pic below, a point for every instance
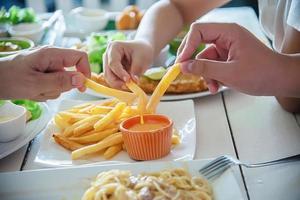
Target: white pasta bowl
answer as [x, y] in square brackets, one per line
[12, 121]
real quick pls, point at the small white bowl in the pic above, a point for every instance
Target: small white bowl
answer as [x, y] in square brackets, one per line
[89, 20]
[13, 127]
[33, 31]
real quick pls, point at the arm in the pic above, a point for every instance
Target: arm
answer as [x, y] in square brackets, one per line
[291, 44]
[163, 21]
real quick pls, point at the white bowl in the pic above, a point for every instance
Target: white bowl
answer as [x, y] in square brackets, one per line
[14, 126]
[33, 31]
[89, 20]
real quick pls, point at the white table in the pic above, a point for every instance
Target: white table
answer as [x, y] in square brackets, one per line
[253, 129]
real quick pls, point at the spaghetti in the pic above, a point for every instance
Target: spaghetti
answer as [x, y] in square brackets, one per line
[173, 184]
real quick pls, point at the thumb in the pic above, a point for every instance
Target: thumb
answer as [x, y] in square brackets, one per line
[62, 81]
[216, 70]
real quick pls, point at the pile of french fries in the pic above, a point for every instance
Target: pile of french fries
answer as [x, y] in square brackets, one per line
[93, 128]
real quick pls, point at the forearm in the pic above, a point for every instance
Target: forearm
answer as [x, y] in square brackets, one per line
[163, 21]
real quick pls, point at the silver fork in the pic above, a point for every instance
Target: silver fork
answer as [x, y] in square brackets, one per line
[219, 165]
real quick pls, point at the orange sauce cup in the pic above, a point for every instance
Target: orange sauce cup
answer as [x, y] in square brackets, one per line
[149, 141]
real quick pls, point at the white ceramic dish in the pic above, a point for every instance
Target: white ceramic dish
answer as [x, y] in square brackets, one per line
[13, 125]
[32, 128]
[33, 31]
[167, 97]
[51, 154]
[89, 20]
[70, 183]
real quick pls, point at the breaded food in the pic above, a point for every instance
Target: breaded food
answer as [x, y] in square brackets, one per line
[182, 85]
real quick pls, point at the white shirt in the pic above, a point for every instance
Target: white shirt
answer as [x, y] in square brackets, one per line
[275, 15]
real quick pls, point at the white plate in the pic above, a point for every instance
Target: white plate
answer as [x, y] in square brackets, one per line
[51, 154]
[31, 130]
[70, 183]
[167, 97]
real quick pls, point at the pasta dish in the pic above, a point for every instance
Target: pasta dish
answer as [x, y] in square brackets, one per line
[172, 184]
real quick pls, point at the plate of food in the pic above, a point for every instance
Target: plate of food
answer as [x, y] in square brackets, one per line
[160, 180]
[67, 136]
[37, 117]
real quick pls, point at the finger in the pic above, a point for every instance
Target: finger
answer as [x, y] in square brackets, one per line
[216, 70]
[114, 62]
[213, 86]
[221, 34]
[60, 81]
[59, 58]
[137, 67]
[110, 77]
[210, 53]
[179, 50]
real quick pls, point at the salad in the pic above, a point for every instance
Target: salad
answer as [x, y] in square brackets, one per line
[16, 15]
[96, 46]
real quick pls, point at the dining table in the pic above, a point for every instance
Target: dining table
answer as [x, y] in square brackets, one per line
[250, 128]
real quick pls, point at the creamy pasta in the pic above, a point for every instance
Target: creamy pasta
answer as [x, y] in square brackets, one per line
[173, 184]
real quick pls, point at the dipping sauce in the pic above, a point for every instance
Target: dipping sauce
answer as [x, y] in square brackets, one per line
[148, 126]
[5, 118]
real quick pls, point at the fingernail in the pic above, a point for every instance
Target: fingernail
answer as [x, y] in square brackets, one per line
[125, 79]
[187, 66]
[190, 66]
[77, 80]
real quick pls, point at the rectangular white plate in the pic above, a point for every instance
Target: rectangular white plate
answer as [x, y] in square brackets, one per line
[70, 183]
[51, 154]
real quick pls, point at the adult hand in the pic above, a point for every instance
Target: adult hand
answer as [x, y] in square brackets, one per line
[40, 74]
[235, 58]
[125, 60]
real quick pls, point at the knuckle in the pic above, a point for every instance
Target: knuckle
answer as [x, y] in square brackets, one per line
[60, 80]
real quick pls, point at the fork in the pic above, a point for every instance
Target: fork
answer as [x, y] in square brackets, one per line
[219, 165]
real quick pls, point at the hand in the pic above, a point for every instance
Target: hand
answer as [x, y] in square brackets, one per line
[236, 59]
[40, 74]
[125, 60]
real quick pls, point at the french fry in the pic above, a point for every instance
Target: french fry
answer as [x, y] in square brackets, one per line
[175, 139]
[94, 137]
[67, 144]
[111, 117]
[121, 95]
[69, 130]
[142, 98]
[72, 117]
[86, 109]
[100, 110]
[60, 122]
[103, 144]
[161, 88]
[112, 151]
[80, 106]
[80, 130]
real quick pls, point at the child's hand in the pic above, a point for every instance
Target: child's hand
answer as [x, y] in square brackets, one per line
[125, 60]
[236, 59]
[40, 74]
